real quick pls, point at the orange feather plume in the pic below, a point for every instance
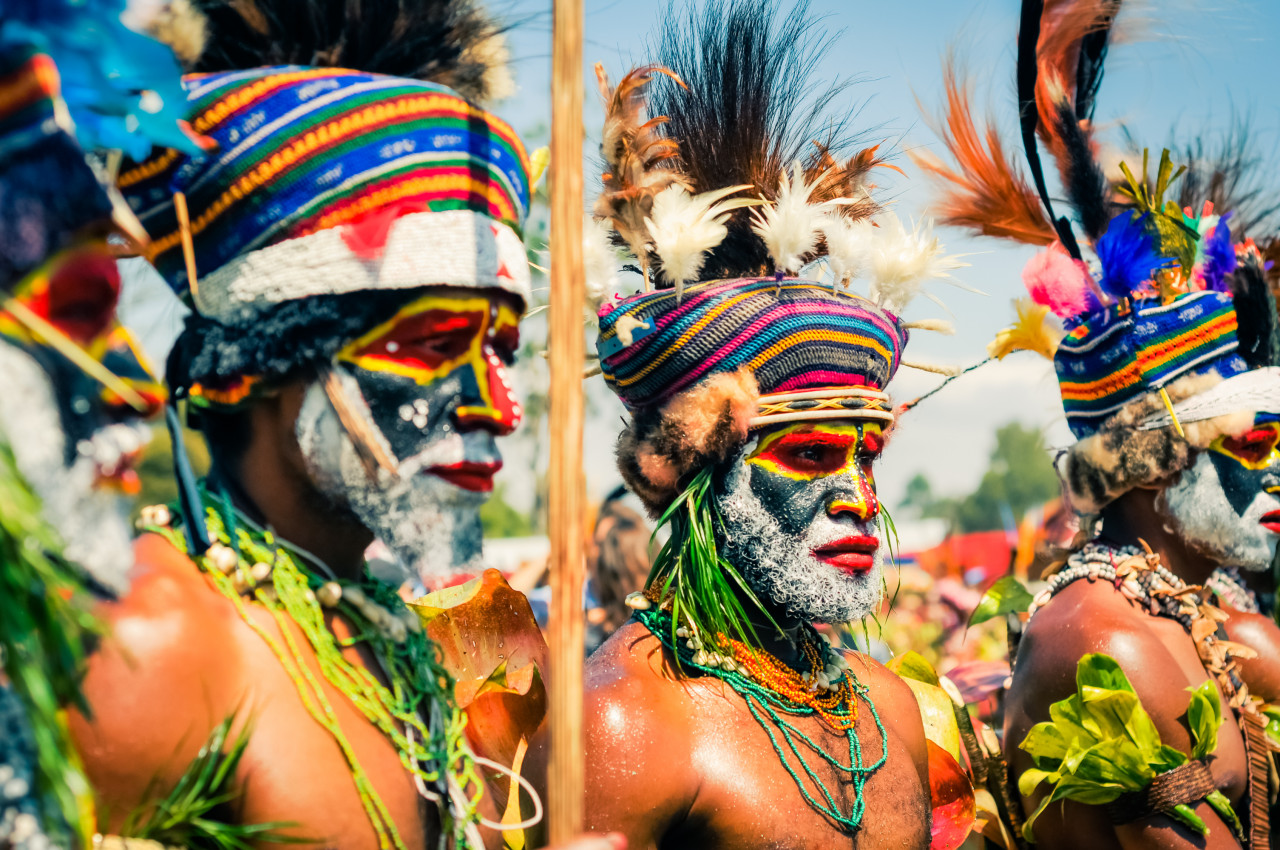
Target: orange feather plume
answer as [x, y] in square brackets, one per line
[832, 180]
[640, 159]
[984, 192]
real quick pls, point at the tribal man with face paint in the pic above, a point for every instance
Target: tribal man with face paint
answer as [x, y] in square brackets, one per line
[1170, 380]
[351, 254]
[718, 717]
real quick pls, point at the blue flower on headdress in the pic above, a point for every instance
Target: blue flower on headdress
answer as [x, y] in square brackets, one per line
[122, 89]
[1128, 255]
[1219, 256]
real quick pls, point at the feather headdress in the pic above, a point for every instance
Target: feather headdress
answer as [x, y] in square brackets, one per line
[450, 42]
[742, 106]
[984, 192]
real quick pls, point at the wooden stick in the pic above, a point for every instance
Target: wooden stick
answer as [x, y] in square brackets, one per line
[368, 449]
[188, 246]
[565, 486]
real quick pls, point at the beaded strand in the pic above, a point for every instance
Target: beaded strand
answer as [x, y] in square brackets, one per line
[1227, 585]
[249, 564]
[774, 691]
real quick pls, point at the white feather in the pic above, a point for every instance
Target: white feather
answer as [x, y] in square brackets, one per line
[685, 227]
[901, 261]
[791, 226]
[941, 326]
[849, 245]
[600, 263]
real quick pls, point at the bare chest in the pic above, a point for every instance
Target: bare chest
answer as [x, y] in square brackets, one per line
[322, 773]
[761, 784]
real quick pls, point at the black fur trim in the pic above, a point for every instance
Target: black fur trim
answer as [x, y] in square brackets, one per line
[287, 340]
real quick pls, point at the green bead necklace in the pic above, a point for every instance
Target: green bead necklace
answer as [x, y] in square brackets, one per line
[771, 710]
[415, 710]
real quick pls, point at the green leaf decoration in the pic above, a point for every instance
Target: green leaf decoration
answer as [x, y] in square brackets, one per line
[1204, 717]
[1100, 743]
[45, 624]
[703, 587]
[912, 665]
[1006, 596]
[193, 814]
[1272, 713]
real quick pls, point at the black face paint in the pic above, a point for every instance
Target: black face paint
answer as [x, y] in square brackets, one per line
[1240, 484]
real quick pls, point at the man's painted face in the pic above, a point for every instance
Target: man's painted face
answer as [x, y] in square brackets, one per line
[74, 439]
[431, 382]
[799, 514]
[1227, 504]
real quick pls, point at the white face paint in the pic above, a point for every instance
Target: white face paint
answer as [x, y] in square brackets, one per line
[781, 566]
[431, 525]
[92, 521]
[1199, 507]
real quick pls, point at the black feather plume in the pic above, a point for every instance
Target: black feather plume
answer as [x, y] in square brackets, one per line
[752, 107]
[1258, 326]
[1083, 180]
[451, 42]
[1233, 173]
[1093, 55]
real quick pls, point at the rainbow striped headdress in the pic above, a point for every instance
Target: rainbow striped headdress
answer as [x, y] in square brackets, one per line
[1119, 354]
[814, 353]
[328, 181]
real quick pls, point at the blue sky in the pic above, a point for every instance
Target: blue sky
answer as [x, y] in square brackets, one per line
[1185, 70]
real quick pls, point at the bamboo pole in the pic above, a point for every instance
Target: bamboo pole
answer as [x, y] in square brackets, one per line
[565, 487]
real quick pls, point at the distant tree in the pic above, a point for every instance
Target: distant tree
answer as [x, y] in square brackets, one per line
[1019, 477]
[919, 495]
[500, 519]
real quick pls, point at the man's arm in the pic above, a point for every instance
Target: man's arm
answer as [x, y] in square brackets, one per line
[1057, 638]
[639, 780]
[154, 686]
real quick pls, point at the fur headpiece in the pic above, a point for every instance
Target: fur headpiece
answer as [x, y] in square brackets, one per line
[1123, 455]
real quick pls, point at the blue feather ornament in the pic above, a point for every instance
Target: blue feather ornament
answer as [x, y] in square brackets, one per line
[1219, 256]
[123, 89]
[1128, 255]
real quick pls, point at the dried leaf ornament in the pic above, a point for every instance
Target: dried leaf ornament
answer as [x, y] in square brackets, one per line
[638, 158]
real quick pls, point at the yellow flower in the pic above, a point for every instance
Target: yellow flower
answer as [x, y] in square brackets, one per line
[1033, 332]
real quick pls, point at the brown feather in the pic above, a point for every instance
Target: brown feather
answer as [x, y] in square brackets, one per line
[832, 180]
[984, 192]
[639, 159]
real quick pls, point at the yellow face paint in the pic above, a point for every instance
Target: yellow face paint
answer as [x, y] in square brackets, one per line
[807, 451]
[1255, 449]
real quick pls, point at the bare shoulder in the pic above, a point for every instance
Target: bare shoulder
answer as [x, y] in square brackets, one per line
[1261, 634]
[640, 779]
[896, 705]
[163, 675]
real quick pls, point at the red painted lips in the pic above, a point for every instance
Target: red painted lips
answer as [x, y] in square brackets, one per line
[1271, 522]
[477, 477]
[852, 555]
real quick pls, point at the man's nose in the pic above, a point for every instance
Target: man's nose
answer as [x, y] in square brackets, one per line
[492, 406]
[862, 505]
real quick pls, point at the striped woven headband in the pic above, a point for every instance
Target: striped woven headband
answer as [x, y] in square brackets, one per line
[830, 403]
[328, 181]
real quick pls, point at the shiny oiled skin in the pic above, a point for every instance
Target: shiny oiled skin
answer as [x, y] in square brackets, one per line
[1261, 634]
[177, 661]
[1161, 662]
[676, 764]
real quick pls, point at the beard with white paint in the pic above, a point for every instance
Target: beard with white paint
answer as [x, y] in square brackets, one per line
[91, 521]
[781, 566]
[432, 526]
[1217, 506]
